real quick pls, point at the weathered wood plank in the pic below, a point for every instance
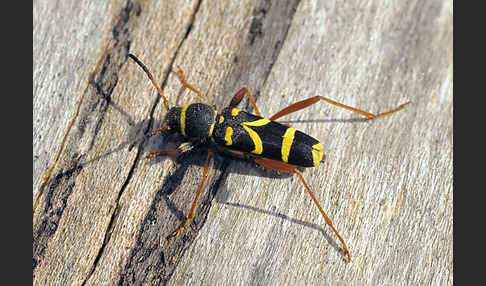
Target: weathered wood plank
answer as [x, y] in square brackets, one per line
[78, 206]
[67, 36]
[103, 214]
[386, 184]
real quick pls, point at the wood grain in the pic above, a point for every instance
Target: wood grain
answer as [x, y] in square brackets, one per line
[101, 212]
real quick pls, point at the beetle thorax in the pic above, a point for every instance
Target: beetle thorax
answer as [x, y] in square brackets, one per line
[194, 120]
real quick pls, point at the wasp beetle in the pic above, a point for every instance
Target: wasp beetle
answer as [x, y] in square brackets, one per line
[245, 135]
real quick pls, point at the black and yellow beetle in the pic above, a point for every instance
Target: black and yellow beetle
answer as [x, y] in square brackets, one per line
[242, 134]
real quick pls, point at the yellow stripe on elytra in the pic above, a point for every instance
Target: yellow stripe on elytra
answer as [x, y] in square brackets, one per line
[211, 130]
[288, 139]
[235, 111]
[257, 141]
[227, 136]
[221, 119]
[183, 119]
[259, 122]
[214, 123]
[317, 153]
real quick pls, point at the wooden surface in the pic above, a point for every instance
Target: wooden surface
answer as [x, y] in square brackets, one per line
[101, 212]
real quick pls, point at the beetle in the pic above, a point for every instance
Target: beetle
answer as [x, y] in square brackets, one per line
[250, 136]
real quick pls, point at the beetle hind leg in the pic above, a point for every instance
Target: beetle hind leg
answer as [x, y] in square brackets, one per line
[310, 101]
[283, 167]
[190, 216]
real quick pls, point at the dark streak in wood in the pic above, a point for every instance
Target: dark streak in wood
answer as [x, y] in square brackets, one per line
[56, 200]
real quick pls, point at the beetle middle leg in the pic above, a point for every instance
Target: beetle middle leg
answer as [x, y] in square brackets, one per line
[194, 203]
[284, 167]
[239, 96]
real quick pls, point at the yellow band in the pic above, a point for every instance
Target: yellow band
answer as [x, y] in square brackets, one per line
[317, 153]
[257, 141]
[287, 141]
[183, 119]
[227, 136]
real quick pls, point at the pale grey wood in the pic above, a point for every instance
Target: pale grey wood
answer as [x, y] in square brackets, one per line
[387, 185]
[74, 212]
[103, 214]
[66, 36]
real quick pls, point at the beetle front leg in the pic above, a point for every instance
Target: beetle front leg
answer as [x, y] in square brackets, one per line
[184, 147]
[182, 77]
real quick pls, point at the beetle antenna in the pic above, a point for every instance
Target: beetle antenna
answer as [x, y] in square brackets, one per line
[145, 69]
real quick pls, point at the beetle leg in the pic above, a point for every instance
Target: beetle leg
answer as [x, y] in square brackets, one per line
[283, 167]
[184, 147]
[194, 203]
[164, 126]
[307, 102]
[239, 96]
[182, 77]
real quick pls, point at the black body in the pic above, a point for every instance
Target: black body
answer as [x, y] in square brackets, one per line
[271, 136]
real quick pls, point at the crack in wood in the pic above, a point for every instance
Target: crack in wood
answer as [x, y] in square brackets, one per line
[104, 81]
[154, 260]
[106, 90]
[268, 31]
[55, 203]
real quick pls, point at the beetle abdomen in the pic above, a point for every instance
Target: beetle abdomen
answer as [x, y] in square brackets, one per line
[245, 132]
